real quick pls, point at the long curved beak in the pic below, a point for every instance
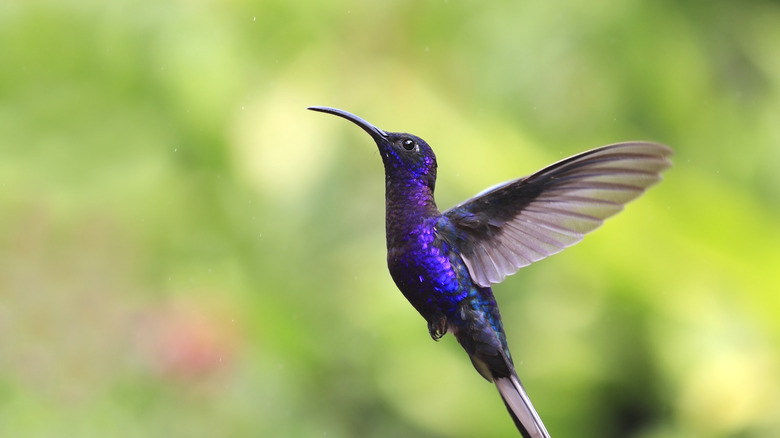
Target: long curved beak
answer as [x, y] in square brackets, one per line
[372, 130]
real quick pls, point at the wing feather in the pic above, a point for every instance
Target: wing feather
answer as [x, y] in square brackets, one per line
[525, 220]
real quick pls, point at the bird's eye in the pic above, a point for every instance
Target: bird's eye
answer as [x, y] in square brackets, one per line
[408, 144]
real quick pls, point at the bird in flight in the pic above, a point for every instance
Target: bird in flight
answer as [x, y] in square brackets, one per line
[445, 262]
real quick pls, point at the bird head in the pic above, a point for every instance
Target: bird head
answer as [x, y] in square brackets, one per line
[406, 157]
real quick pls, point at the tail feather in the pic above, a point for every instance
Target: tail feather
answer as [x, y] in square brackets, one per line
[519, 406]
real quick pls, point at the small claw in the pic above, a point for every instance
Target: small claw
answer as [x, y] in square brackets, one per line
[438, 328]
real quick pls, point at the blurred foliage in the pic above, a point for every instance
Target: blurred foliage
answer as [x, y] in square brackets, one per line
[185, 251]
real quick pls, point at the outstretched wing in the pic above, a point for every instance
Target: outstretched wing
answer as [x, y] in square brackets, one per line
[528, 219]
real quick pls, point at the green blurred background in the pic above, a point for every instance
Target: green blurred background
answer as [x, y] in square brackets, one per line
[185, 251]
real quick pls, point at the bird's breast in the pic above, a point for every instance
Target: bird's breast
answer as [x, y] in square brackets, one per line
[426, 271]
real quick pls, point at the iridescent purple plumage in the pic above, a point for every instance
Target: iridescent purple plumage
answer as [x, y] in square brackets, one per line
[444, 263]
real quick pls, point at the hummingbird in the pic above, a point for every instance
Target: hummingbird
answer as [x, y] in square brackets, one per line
[445, 262]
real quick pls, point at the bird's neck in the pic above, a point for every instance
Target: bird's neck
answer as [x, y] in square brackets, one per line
[408, 203]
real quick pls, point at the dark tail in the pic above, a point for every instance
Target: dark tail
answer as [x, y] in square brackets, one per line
[519, 406]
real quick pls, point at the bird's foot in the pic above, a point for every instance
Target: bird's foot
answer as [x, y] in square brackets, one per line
[438, 328]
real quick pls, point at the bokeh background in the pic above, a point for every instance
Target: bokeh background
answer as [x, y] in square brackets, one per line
[185, 251]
